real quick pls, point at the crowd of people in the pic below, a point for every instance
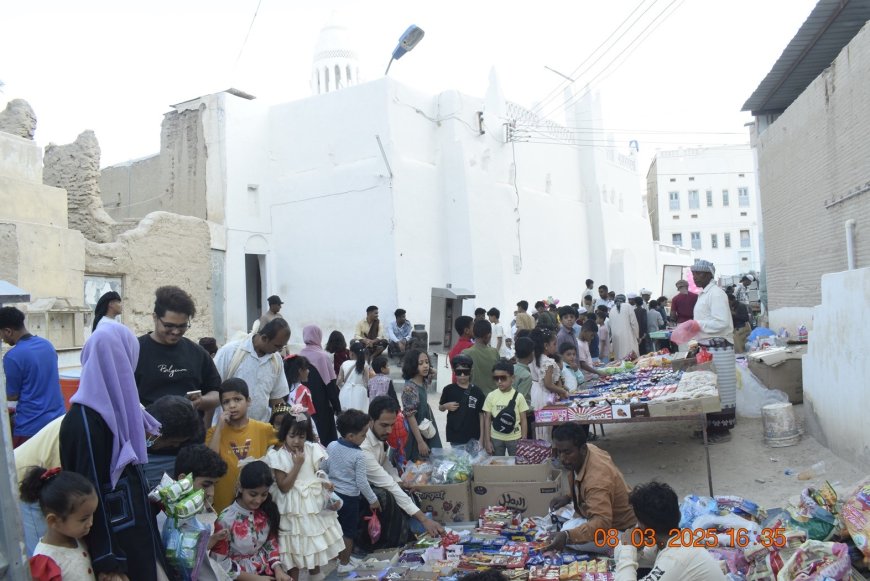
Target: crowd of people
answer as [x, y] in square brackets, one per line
[264, 432]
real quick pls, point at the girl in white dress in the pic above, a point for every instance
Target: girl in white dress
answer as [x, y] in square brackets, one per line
[309, 537]
[353, 380]
[546, 376]
[68, 501]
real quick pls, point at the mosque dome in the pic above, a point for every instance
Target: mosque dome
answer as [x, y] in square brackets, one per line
[336, 64]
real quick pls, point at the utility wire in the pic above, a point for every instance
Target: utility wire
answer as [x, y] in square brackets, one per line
[247, 35]
[555, 92]
[577, 97]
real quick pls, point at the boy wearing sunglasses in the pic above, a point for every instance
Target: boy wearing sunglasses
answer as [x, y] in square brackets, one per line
[504, 413]
[463, 403]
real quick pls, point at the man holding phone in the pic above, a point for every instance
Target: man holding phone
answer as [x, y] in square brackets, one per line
[170, 363]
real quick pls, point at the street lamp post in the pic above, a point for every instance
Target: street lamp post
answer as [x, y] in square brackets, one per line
[407, 42]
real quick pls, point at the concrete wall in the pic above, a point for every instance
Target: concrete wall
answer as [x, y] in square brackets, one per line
[163, 249]
[712, 169]
[813, 153]
[836, 366]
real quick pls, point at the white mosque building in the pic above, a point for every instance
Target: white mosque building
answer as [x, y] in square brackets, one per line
[376, 193]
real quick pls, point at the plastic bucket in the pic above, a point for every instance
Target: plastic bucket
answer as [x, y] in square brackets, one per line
[780, 427]
[69, 384]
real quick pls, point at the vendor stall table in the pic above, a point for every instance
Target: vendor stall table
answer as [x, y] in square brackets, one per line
[700, 417]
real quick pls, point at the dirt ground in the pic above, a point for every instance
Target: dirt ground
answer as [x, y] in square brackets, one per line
[745, 466]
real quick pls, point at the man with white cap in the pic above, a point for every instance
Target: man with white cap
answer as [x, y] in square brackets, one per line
[713, 315]
[740, 292]
[646, 295]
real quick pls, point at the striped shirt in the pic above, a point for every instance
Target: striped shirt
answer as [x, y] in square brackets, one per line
[346, 466]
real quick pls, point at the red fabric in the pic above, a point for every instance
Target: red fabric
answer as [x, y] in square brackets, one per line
[338, 358]
[684, 307]
[44, 568]
[460, 346]
[302, 396]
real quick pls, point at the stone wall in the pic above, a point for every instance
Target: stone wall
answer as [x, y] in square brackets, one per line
[75, 167]
[18, 119]
[816, 152]
[163, 249]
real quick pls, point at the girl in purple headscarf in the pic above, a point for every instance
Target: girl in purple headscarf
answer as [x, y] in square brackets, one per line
[321, 383]
[103, 437]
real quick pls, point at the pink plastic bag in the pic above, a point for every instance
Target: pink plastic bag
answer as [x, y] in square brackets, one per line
[374, 527]
[685, 332]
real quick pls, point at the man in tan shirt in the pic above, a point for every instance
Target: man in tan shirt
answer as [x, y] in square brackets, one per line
[524, 319]
[598, 489]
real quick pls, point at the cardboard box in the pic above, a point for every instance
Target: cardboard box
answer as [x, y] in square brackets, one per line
[681, 361]
[448, 503]
[688, 407]
[639, 410]
[601, 412]
[780, 369]
[529, 498]
[511, 473]
[621, 411]
[552, 414]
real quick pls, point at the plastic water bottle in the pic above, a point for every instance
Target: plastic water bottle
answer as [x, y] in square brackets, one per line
[813, 471]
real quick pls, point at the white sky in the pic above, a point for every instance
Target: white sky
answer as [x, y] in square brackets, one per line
[115, 66]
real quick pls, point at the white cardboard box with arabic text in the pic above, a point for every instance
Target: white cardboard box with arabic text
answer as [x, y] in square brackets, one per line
[529, 498]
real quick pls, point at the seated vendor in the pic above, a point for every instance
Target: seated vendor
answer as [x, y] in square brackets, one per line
[598, 490]
[658, 514]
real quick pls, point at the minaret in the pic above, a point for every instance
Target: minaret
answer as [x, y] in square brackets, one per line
[336, 64]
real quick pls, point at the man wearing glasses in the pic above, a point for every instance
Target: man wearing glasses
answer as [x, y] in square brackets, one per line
[170, 363]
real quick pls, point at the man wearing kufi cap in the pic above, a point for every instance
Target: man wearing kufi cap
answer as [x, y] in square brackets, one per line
[713, 315]
[646, 295]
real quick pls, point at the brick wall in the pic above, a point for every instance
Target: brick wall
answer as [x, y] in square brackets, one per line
[816, 151]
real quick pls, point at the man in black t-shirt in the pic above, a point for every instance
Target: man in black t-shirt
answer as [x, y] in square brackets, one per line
[171, 364]
[463, 403]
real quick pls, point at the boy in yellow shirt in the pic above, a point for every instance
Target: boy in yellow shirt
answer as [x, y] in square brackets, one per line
[504, 422]
[236, 437]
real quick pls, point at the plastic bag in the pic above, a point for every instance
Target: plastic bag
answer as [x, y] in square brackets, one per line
[186, 542]
[856, 516]
[752, 395]
[374, 527]
[331, 501]
[695, 506]
[817, 561]
[685, 332]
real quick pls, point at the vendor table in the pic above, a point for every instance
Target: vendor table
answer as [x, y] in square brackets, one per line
[702, 418]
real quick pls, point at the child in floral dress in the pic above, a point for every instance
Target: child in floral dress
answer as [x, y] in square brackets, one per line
[250, 551]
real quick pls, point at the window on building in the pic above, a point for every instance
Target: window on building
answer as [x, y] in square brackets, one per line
[714, 240]
[694, 216]
[725, 198]
[743, 197]
[696, 240]
[691, 179]
[694, 200]
[743, 213]
[676, 216]
[745, 241]
[673, 180]
[728, 240]
[677, 239]
[741, 175]
[709, 198]
[675, 200]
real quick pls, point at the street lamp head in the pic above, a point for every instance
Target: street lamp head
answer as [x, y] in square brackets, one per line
[408, 41]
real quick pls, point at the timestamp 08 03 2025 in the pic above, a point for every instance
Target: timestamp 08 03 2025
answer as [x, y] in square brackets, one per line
[706, 538]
